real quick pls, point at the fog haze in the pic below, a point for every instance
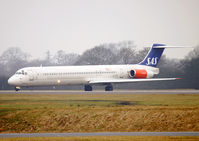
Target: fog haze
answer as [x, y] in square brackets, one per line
[37, 26]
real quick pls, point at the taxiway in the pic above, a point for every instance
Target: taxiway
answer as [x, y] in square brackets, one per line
[8, 135]
[101, 92]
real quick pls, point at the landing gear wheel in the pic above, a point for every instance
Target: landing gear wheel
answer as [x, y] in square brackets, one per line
[109, 88]
[17, 88]
[88, 88]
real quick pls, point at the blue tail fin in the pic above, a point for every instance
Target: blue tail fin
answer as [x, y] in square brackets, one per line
[153, 56]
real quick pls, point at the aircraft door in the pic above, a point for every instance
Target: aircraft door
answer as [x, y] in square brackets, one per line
[121, 73]
[31, 75]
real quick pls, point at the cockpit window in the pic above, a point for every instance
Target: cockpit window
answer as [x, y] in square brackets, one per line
[21, 72]
[18, 73]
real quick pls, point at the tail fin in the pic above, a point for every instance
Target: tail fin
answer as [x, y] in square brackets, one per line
[153, 56]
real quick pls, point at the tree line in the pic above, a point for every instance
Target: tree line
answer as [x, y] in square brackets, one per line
[107, 54]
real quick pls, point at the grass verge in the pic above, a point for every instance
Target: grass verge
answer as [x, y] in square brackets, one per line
[98, 113]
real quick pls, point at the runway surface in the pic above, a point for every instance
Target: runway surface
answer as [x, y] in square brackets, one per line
[99, 134]
[101, 92]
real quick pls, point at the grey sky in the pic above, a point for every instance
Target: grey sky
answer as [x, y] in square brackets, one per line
[76, 25]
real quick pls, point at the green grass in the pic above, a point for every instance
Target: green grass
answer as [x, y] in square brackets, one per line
[98, 113]
[12, 102]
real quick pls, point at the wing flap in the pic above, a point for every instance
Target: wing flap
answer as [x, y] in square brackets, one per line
[129, 80]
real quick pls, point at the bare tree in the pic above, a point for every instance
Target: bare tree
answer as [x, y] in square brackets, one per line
[61, 58]
[14, 54]
[141, 54]
[190, 68]
[127, 56]
[13, 59]
[97, 56]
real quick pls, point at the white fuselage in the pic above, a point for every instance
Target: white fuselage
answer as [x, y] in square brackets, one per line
[66, 75]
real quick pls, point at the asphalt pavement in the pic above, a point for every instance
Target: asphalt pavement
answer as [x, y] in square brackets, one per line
[191, 91]
[99, 134]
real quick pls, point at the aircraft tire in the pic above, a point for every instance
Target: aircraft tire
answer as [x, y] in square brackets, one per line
[17, 88]
[109, 88]
[88, 88]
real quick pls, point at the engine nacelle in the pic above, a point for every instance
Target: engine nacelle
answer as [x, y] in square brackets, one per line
[140, 73]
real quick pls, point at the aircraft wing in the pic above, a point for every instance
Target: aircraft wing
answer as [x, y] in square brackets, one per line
[129, 80]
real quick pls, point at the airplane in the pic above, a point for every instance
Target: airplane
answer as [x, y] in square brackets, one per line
[90, 75]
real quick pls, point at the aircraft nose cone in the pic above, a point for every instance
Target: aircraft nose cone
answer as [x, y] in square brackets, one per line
[12, 81]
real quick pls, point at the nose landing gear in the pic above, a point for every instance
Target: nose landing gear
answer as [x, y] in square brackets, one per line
[17, 88]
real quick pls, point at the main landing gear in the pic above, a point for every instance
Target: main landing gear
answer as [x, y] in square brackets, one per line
[88, 88]
[108, 87]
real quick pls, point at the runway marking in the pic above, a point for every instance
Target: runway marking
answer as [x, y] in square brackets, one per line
[99, 134]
